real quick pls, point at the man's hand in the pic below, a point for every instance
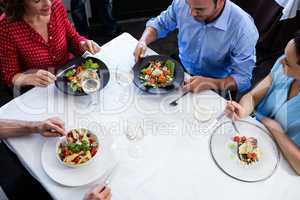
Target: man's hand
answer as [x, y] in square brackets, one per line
[90, 46]
[100, 192]
[140, 51]
[51, 127]
[199, 83]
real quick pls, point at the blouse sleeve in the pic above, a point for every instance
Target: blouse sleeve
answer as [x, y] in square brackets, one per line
[72, 35]
[277, 70]
[9, 63]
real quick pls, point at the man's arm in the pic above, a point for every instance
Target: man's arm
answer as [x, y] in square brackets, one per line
[148, 36]
[157, 28]
[200, 83]
[48, 128]
[224, 84]
[14, 128]
[243, 59]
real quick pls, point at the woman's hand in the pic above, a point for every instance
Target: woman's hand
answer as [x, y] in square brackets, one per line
[90, 46]
[100, 192]
[41, 78]
[235, 111]
[51, 127]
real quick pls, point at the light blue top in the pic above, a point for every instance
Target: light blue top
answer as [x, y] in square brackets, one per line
[276, 106]
[218, 49]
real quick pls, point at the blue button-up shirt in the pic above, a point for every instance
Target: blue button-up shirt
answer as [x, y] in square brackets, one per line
[224, 47]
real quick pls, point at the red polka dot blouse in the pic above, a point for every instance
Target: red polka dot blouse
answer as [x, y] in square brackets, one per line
[22, 48]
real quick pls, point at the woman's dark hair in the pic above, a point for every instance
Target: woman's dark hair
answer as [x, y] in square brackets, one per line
[297, 45]
[14, 9]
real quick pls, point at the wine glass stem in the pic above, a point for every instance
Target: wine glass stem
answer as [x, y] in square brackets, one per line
[94, 99]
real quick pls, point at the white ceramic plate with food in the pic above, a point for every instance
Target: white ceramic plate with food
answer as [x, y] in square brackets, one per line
[226, 156]
[77, 176]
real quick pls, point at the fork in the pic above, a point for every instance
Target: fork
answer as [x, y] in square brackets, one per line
[232, 122]
[175, 102]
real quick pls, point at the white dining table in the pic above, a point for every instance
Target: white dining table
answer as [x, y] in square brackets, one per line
[171, 161]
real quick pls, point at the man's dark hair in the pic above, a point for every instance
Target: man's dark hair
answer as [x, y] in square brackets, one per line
[297, 45]
[14, 9]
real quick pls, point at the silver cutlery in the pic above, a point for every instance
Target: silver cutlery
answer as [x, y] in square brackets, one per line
[232, 122]
[175, 102]
[108, 177]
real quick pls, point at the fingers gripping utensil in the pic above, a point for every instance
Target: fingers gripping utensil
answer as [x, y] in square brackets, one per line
[232, 122]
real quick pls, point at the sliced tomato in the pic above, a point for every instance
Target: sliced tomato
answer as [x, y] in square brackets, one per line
[148, 71]
[93, 151]
[162, 79]
[71, 78]
[152, 81]
[76, 160]
[66, 152]
[91, 141]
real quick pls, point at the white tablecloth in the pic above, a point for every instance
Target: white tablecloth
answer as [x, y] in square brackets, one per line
[290, 8]
[175, 162]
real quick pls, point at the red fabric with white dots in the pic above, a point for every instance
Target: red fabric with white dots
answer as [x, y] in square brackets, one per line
[22, 48]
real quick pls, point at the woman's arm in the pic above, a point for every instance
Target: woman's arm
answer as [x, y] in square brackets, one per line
[9, 61]
[245, 107]
[288, 148]
[251, 99]
[72, 35]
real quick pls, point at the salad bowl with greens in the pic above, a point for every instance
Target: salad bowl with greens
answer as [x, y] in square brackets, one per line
[70, 77]
[158, 74]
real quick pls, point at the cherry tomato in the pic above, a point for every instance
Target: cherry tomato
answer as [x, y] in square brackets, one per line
[236, 139]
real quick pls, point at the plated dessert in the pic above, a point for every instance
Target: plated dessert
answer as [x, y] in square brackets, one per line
[247, 149]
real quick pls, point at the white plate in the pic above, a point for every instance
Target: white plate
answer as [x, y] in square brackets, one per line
[77, 176]
[228, 161]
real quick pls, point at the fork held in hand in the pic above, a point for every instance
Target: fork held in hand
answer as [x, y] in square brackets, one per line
[232, 122]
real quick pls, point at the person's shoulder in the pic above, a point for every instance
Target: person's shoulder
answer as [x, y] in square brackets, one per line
[5, 24]
[277, 67]
[57, 5]
[178, 4]
[277, 72]
[238, 11]
[3, 20]
[242, 24]
[240, 18]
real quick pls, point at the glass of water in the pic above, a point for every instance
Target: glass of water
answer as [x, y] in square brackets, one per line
[90, 86]
[134, 133]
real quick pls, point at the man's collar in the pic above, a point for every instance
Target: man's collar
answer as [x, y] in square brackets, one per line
[222, 21]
